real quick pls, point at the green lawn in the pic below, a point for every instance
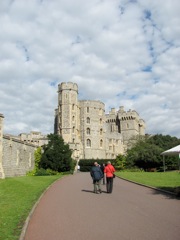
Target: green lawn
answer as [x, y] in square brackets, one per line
[164, 180]
[17, 197]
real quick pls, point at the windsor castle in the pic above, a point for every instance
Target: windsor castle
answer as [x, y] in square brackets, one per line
[90, 132]
[83, 124]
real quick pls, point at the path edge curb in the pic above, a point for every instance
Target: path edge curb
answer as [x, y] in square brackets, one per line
[154, 188]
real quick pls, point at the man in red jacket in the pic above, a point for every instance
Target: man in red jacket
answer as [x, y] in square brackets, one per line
[109, 171]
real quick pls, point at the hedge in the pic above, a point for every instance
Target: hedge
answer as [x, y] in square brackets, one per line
[86, 164]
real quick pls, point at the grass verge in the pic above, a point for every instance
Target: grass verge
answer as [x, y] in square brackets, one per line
[17, 197]
[169, 181]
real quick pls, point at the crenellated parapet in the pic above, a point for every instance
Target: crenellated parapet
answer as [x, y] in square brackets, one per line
[67, 86]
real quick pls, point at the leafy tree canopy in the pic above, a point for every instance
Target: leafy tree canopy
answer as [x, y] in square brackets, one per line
[56, 155]
[146, 152]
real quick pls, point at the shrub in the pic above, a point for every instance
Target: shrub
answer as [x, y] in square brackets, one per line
[42, 172]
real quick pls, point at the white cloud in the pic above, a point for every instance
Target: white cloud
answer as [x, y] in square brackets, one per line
[120, 52]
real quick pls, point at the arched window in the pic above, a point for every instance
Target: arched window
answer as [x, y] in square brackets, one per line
[88, 143]
[101, 143]
[87, 109]
[100, 120]
[73, 107]
[73, 129]
[88, 120]
[88, 131]
[73, 118]
[101, 131]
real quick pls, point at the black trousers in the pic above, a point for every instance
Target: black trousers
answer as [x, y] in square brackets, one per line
[109, 184]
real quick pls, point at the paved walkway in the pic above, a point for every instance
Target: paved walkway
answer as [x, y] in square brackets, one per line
[69, 210]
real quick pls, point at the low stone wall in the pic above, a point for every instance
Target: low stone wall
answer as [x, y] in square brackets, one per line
[17, 157]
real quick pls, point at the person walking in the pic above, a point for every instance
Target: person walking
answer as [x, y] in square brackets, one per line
[109, 171]
[96, 175]
[102, 169]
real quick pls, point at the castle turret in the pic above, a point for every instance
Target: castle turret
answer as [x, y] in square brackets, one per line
[68, 111]
[130, 124]
[67, 117]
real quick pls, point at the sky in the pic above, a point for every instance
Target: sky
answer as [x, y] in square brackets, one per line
[121, 52]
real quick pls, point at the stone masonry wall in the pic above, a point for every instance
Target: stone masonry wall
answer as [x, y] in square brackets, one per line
[1, 146]
[17, 157]
[92, 130]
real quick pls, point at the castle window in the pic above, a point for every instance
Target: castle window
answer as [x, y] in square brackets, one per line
[113, 148]
[127, 125]
[88, 131]
[101, 131]
[100, 120]
[73, 107]
[88, 120]
[87, 109]
[88, 143]
[73, 140]
[73, 129]
[73, 118]
[101, 143]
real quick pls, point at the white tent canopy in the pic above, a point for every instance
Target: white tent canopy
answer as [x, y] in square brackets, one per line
[171, 151]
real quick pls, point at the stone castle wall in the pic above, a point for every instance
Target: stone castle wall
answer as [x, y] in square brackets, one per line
[16, 156]
[1, 145]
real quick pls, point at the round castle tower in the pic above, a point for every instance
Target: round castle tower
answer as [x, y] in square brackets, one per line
[68, 111]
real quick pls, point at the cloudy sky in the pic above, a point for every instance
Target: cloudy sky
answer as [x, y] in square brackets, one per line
[121, 52]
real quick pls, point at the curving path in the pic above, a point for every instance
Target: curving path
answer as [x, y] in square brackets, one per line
[69, 210]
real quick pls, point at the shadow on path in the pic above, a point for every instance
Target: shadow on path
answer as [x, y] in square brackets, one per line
[164, 191]
[90, 191]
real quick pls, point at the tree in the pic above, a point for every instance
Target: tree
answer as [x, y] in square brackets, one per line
[146, 153]
[56, 155]
[166, 142]
[120, 162]
[37, 156]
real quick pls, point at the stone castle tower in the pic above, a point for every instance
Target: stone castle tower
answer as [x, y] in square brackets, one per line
[90, 132]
